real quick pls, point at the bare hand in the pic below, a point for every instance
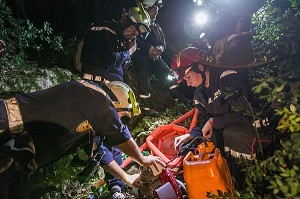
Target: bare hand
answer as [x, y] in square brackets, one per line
[158, 50]
[181, 139]
[155, 161]
[207, 130]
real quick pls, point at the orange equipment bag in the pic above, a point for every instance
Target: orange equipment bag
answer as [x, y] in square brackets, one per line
[206, 172]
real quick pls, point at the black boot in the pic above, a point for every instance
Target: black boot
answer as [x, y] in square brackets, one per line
[238, 176]
[146, 108]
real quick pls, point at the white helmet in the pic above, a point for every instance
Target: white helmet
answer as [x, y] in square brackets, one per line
[150, 3]
[123, 98]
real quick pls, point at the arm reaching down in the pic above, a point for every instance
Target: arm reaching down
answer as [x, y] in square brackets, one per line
[114, 169]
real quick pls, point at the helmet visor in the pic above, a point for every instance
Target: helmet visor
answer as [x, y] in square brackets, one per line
[135, 106]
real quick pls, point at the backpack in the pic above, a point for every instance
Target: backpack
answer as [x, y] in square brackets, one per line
[77, 55]
[234, 49]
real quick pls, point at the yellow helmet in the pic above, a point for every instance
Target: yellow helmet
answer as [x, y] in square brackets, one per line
[136, 16]
[141, 17]
[123, 98]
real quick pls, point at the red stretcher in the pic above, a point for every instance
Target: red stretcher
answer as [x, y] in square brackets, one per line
[161, 140]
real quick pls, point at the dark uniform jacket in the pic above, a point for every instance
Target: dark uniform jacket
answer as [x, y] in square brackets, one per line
[215, 101]
[104, 52]
[155, 38]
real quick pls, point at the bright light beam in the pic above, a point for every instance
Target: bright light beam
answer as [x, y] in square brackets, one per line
[201, 18]
[199, 2]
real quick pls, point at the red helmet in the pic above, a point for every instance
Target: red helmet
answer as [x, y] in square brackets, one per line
[183, 60]
[2, 47]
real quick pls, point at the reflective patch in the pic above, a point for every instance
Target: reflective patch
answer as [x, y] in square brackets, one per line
[238, 154]
[83, 126]
[15, 121]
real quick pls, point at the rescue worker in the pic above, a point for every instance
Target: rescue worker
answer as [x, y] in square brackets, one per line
[105, 57]
[147, 59]
[224, 100]
[107, 47]
[38, 128]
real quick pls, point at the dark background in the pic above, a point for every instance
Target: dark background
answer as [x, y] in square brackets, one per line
[72, 17]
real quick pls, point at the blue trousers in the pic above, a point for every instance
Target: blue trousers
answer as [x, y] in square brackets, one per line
[109, 154]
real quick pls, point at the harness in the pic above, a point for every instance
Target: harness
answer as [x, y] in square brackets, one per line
[95, 78]
[94, 87]
[77, 55]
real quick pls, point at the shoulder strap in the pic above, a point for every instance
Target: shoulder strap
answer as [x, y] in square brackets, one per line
[94, 87]
[77, 56]
[99, 28]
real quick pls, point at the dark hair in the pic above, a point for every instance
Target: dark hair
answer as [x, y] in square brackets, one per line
[196, 69]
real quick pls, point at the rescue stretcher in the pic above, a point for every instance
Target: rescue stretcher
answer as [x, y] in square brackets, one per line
[161, 140]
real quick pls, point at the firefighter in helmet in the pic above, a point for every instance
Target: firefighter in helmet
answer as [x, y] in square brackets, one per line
[105, 56]
[147, 59]
[222, 117]
[36, 129]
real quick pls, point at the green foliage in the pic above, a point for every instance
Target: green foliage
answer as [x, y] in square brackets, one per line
[295, 4]
[276, 28]
[25, 41]
[28, 78]
[277, 176]
[178, 109]
[22, 37]
[277, 35]
[52, 177]
[290, 120]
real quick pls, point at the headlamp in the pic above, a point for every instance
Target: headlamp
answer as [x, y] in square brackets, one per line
[172, 76]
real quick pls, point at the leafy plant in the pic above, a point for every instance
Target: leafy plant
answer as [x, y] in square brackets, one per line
[22, 37]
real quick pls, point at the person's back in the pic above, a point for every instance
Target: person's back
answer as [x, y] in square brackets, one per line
[40, 127]
[104, 52]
